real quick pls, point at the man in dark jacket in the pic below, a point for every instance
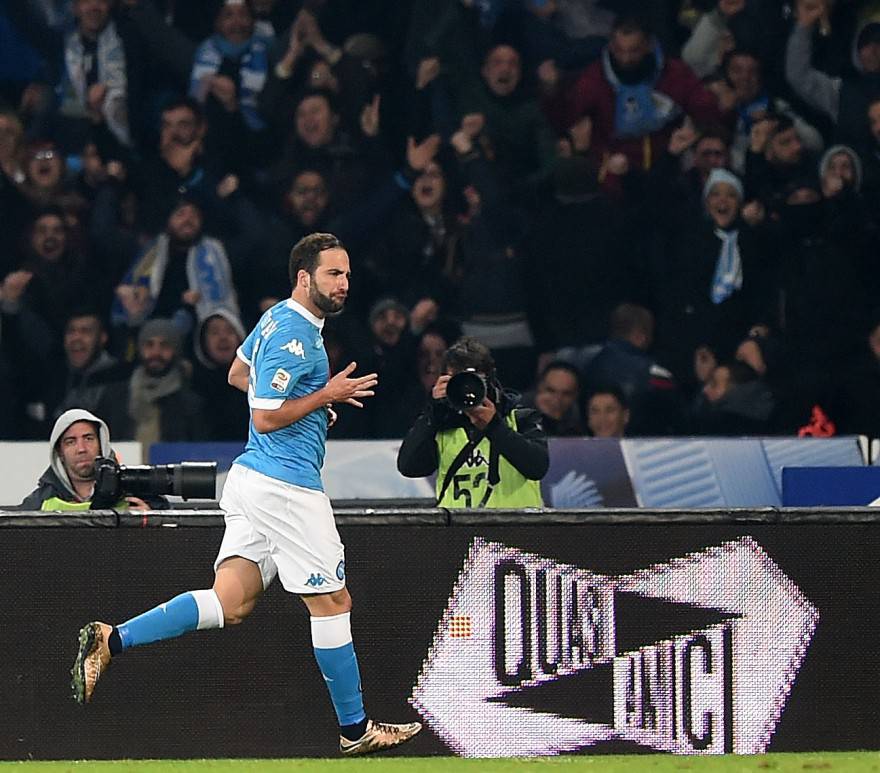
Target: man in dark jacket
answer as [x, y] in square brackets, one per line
[624, 362]
[634, 96]
[845, 100]
[94, 380]
[487, 453]
[161, 402]
[77, 438]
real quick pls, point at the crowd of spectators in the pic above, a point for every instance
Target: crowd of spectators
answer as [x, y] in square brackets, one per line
[662, 217]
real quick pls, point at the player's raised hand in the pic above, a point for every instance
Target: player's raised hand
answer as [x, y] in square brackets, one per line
[342, 388]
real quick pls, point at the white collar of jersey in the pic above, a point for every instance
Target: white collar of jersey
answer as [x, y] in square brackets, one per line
[303, 311]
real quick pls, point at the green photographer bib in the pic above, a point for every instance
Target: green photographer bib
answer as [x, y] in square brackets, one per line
[56, 503]
[469, 485]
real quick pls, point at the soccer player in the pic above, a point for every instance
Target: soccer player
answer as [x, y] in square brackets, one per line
[278, 519]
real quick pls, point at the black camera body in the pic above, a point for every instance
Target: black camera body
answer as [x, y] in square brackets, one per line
[189, 480]
[466, 389]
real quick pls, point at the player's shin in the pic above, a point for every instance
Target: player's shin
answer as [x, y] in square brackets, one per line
[198, 609]
[334, 651]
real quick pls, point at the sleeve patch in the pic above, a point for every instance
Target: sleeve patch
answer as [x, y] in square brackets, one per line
[280, 380]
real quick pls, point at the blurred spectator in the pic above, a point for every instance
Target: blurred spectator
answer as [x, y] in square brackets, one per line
[417, 257]
[498, 110]
[45, 182]
[181, 275]
[188, 163]
[736, 402]
[716, 278]
[12, 204]
[11, 134]
[632, 98]
[58, 276]
[776, 156]
[93, 379]
[649, 389]
[571, 33]
[856, 408]
[751, 101]
[492, 296]
[354, 72]
[215, 341]
[871, 160]
[823, 300]
[607, 412]
[307, 208]
[392, 355]
[430, 348]
[845, 99]
[97, 72]
[579, 234]
[161, 403]
[840, 171]
[556, 397]
[230, 67]
[318, 141]
[711, 38]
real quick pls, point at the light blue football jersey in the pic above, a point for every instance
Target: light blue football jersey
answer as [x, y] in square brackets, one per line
[287, 360]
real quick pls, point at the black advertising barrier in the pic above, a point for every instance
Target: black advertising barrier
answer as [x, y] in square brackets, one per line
[598, 632]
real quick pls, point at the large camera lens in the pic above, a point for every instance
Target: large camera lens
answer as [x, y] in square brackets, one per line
[189, 480]
[466, 390]
[195, 480]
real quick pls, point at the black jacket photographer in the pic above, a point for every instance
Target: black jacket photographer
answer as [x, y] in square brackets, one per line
[486, 452]
[68, 484]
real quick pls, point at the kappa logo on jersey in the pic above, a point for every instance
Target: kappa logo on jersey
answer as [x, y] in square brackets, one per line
[476, 459]
[280, 380]
[294, 347]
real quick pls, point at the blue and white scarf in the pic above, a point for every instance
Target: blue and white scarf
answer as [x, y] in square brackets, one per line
[728, 268]
[253, 57]
[207, 269]
[639, 110]
[72, 90]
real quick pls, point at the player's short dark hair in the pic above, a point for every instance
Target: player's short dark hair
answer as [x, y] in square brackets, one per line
[306, 253]
[468, 352]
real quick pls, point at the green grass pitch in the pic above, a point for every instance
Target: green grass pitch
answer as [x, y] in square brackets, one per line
[655, 763]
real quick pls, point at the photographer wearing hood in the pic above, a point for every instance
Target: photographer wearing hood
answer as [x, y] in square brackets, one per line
[485, 451]
[77, 439]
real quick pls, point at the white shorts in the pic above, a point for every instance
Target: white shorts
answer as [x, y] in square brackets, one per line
[285, 529]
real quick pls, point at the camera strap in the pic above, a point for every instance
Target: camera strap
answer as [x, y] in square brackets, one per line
[461, 457]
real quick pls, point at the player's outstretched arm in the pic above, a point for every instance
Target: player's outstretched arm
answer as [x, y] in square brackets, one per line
[340, 389]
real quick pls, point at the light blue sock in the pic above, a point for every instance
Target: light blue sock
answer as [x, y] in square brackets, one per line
[334, 651]
[186, 612]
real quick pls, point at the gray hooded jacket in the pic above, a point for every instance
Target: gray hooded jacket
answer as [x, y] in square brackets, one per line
[55, 482]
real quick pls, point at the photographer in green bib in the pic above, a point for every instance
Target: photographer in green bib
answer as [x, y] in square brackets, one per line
[487, 453]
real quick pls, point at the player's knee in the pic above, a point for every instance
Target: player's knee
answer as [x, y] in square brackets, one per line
[342, 600]
[234, 614]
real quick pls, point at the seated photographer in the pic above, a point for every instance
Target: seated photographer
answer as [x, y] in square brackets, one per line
[77, 439]
[486, 452]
